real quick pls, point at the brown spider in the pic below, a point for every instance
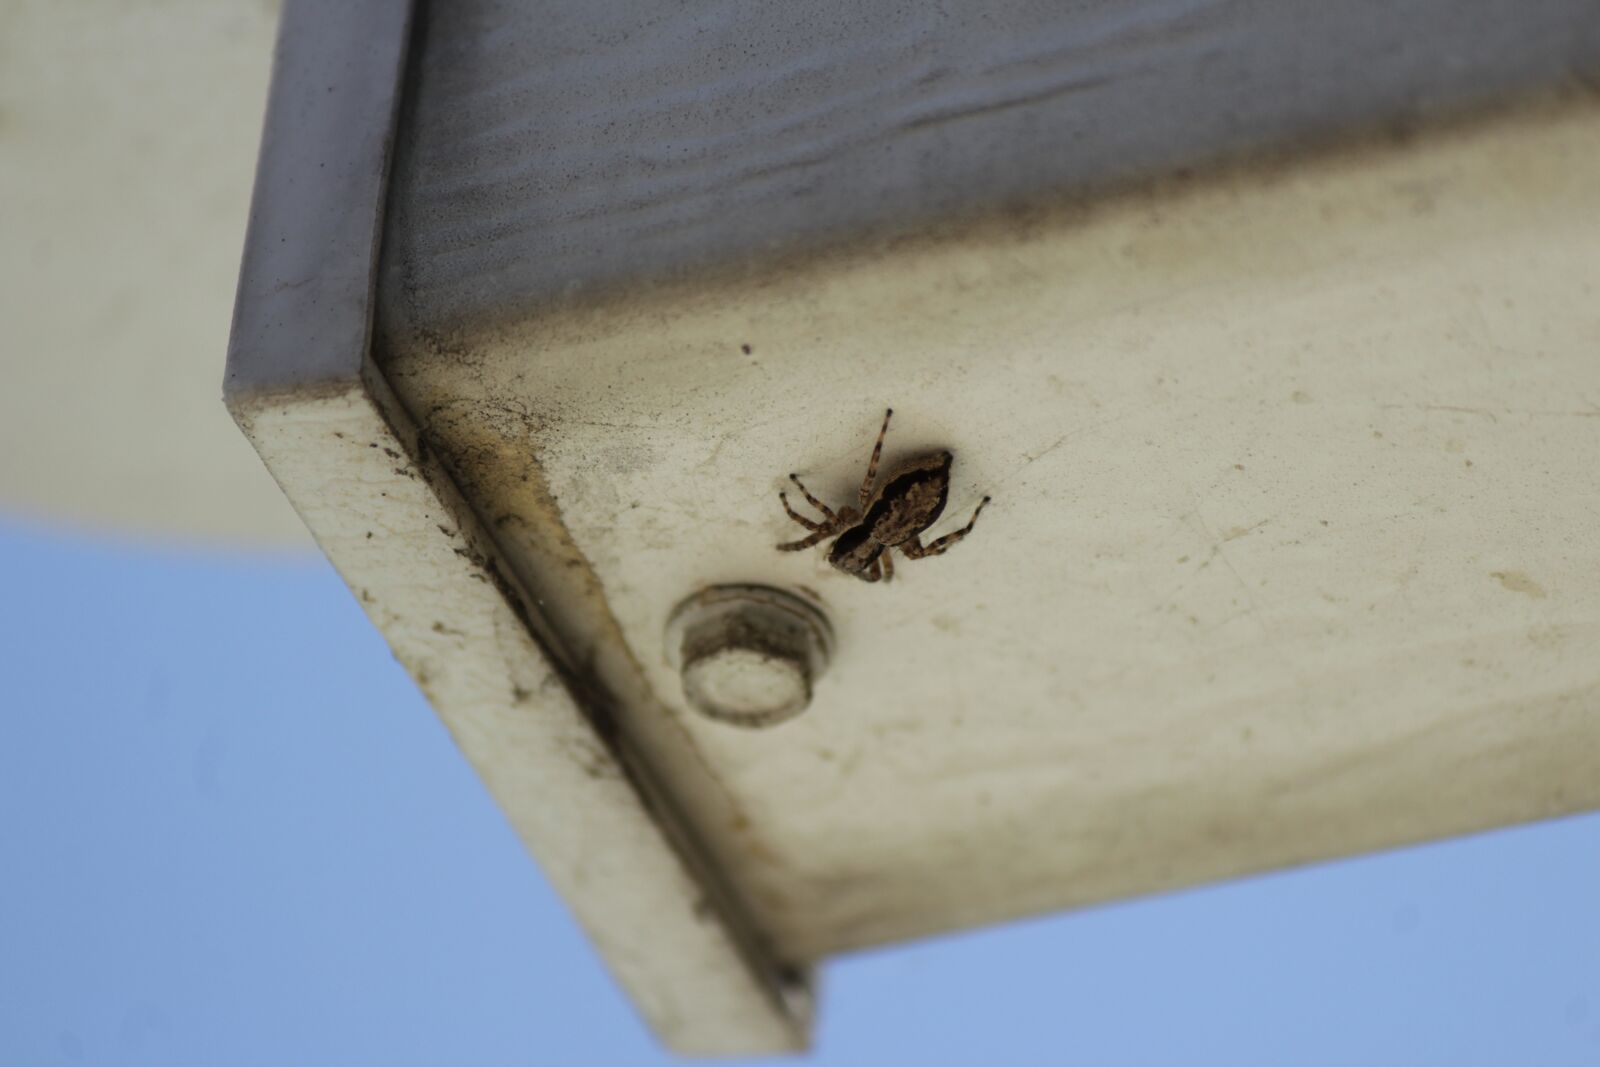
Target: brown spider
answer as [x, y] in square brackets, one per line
[894, 516]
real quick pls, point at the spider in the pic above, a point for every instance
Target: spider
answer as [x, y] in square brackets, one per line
[891, 517]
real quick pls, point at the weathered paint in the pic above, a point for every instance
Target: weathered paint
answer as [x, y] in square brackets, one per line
[1291, 554]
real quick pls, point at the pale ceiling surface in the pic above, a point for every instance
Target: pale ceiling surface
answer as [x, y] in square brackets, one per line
[1291, 552]
[128, 136]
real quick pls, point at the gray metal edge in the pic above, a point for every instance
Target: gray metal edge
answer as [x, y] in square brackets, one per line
[303, 312]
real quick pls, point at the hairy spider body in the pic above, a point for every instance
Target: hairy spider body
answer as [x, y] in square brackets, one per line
[891, 516]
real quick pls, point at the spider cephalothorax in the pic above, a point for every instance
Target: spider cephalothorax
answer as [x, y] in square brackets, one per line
[893, 516]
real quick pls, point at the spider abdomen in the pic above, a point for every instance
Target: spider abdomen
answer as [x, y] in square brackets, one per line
[911, 501]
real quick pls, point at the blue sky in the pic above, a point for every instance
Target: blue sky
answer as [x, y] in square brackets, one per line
[233, 833]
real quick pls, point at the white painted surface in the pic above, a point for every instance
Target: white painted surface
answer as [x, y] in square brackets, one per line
[414, 556]
[1292, 551]
[128, 135]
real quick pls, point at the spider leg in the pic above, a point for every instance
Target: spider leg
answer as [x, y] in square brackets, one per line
[816, 537]
[872, 467]
[875, 572]
[887, 559]
[796, 516]
[915, 549]
[813, 501]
